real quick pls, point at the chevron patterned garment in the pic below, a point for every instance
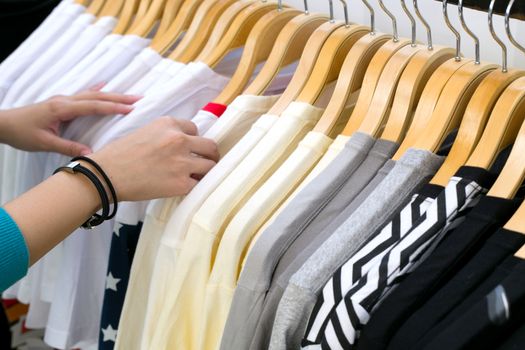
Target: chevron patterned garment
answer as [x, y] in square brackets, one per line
[388, 263]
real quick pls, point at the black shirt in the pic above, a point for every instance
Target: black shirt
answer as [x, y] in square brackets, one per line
[489, 321]
[451, 254]
[498, 247]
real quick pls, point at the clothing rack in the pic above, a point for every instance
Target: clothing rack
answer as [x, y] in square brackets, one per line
[518, 10]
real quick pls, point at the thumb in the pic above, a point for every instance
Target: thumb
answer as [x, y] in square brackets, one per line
[67, 147]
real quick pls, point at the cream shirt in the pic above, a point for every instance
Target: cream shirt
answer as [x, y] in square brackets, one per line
[238, 234]
[152, 261]
[181, 314]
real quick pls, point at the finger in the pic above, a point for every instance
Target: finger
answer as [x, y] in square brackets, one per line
[67, 147]
[98, 86]
[106, 96]
[201, 166]
[90, 108]
[190, 185]
[187, 127]
[203, 147]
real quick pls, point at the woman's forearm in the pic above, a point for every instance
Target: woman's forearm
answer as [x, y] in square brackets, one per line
[49, 212]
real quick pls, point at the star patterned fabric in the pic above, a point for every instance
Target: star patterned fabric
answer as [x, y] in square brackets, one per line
[123, 244]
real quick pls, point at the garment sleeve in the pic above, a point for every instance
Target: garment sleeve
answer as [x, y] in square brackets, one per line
[14, 255]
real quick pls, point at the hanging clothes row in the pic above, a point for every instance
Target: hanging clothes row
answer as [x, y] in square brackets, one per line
[369, 193]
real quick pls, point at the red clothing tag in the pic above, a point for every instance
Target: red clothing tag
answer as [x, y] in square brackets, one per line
[216, 108]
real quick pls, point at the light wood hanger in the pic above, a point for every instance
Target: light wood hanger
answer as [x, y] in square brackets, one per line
[373, 75]
[197, 19]
[82, 2]
[238, 33]
[258, 46]
[514, 169]
[452, 104]
[413, 80]
[171, 9]
[225, 15]
[111, 8]
[452, 101]
[328, 67]
[95, 6]
[288, 48]
[351, 76]
[477, 112]
[129, 11]
[350, 80]
[305, 66]
[144, 26]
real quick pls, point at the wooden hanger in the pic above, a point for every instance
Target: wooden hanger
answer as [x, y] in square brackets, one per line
[193, 17]
[413, 81]
[288, 47]
[144, 26]
[410, 87]
[306, 64]
[350, 79]
[462, 79]
[95, 6]
[223, 17]
[111, 8]
[373, 75]
[82, 2]
[257, 49]
[171, 9]
[511, 105]
[477, 113]
[331, 58]
[238, 32]
[129, 11]
[452, 104]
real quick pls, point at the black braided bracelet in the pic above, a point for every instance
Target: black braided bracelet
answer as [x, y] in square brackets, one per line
[106, 179]
[96, 219]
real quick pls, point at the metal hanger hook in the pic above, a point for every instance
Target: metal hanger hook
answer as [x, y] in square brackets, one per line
[469, 31]
[392, 17]
[412, 21]
[507, 28]
[504, 59]
[279, 5]
[345, 10]
[453, 30]
[372, 17]
[306, 11]
[331, 6]
[425, 24]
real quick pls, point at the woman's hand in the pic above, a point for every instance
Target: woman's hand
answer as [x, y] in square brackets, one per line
[162, 159]
[37, 127]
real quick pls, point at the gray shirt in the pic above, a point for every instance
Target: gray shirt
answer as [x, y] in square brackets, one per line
[257, 273]
[321, 215]
[413, 169]
[291, 262]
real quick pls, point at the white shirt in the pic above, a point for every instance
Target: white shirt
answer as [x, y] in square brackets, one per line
[75, 311]
[86, 42]
[79, 129]
[31, 49]
[84, 65]
[46, 59]
[107, 66]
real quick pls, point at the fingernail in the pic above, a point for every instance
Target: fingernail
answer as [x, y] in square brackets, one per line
[85, 152]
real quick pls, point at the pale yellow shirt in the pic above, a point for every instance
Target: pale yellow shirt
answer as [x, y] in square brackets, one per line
[237, 236]
[142, 300]
[181, 315]
[333, 151]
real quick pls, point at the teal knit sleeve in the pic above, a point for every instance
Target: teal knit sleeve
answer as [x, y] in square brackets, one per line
[14, 255]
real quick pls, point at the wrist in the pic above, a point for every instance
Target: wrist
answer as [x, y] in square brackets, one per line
[5, 126]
